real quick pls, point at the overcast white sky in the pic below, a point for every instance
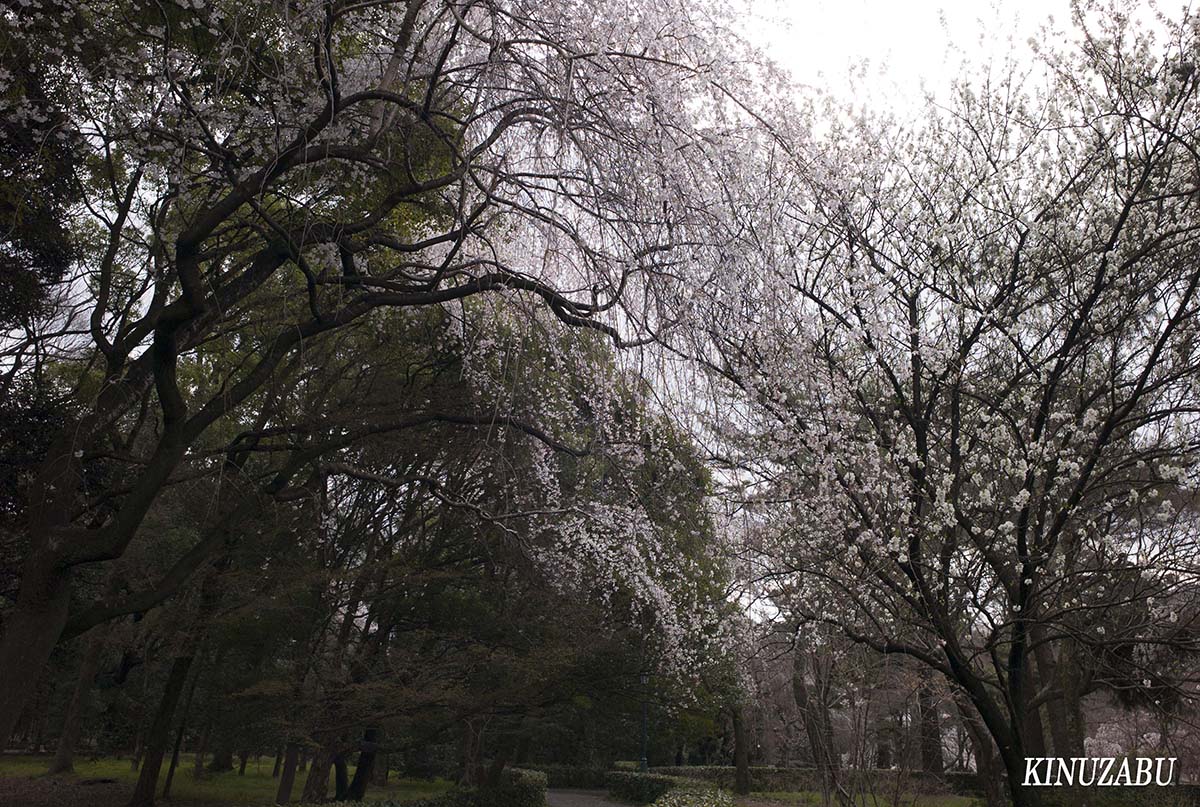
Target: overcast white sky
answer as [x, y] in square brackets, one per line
[903, 42]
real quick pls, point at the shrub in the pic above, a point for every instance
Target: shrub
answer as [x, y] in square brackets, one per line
[1166, 796]
[573, 775]
[772, 779]
[518, 788]
[644, 788]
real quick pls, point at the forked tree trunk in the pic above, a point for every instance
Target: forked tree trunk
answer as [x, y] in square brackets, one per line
[156, 740]
[81, 698]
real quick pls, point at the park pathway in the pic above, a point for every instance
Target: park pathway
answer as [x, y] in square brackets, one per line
[580, 798]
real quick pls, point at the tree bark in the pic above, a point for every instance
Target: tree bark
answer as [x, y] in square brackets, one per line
[316, 785]
[81, 698]
[817, 725]
[156, 742]
[741, 752]
[987, 766]
[341, 777]
[179, 734]
[472, 750]
[931, 727]
[365, 767]
[287, 775]
[30, 631]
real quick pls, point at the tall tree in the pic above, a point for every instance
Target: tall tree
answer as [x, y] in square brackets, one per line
[962, 408]
[321, 161]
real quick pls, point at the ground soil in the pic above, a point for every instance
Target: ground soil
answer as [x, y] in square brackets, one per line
[60, 791]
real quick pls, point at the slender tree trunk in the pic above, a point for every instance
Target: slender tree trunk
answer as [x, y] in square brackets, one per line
[242, 757]
[379, 772]
[278, 763]
[365, 766]
[201, 749]
[341, 778]
[156, 742]
[472, 749]
[741, 752]
[287, 775]
[817, 725]
[135, 759]
[180, 731]
[931, 727]
[81, 699]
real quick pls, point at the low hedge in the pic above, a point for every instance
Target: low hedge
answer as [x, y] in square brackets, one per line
[518, 788]
[1150, 796]
[644, 788]
[685, 798]
[573, 775]
[778, 780]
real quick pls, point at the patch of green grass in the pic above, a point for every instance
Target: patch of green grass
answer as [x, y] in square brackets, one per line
[806, 797]
[256, 787]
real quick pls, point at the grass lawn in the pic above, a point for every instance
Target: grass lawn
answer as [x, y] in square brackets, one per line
[806, 797]
[256, 787]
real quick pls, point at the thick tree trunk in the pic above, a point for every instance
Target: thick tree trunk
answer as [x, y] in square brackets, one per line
[156, 741]
[30, 632]
[316, 785]
[81, 699]
[987, 763]
[741, 752]
[242, 757]
[287, 775]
